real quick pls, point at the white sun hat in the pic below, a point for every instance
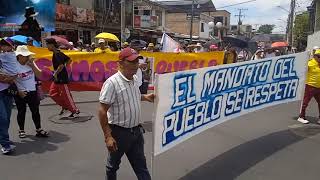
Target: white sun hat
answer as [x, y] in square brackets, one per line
[23, 50]
[101, 41]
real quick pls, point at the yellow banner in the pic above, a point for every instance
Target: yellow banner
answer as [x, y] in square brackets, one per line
[89, 70]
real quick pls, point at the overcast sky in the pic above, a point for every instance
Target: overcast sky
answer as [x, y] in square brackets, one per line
[262, 11]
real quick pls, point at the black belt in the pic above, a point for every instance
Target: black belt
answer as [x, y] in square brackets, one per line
[133, 129]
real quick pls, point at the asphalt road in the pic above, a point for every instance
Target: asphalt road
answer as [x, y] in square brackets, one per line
[263, 145]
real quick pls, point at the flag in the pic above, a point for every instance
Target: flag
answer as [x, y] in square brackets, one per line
[168, 44]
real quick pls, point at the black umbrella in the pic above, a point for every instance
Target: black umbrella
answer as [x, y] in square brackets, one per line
[235, 42]
[138, 43]
[261, 38]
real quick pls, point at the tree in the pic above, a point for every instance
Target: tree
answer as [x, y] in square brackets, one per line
[300, 30]
[266, 28]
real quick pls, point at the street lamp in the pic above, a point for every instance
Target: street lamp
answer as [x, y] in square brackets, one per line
[219, 26]
[211, 27]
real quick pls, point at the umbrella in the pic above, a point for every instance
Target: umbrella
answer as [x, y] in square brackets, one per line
[108, 36]
[235, 42]
[261, 38]
[138, 43]
[61, 41]
[23, 40]
[279, 44]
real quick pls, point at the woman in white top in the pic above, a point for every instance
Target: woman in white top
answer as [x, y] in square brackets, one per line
[26, 84]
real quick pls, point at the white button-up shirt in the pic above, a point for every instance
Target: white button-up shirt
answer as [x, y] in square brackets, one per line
[124, 97]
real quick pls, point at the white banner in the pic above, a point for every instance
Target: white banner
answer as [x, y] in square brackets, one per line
[190, 102]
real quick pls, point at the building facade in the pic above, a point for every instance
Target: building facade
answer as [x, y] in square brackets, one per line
[222, 16]
[75, 19]
[314, 24]
[178, 18]
[314, 16]
[148, 21]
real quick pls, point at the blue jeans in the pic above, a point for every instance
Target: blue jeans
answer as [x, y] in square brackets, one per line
[5, 113]
[131, 143]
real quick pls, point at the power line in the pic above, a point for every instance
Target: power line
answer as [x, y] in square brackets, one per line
[240, 15]
[236, 4]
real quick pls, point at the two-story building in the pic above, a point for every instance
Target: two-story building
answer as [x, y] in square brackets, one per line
[178, 19]
[148, 21]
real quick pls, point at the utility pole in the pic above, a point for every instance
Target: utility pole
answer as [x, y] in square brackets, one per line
[240, 15]
[191, 24]
[291, 18]
[123, 19]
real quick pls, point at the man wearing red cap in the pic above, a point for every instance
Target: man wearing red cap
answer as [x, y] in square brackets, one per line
[120, 117]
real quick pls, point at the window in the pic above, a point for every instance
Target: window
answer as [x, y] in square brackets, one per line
[218, 19]
[226, 21]
[67, 2]
[159, 16]
[202, 27]
[146, 12]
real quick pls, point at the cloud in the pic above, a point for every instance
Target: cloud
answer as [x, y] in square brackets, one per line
[261, 11]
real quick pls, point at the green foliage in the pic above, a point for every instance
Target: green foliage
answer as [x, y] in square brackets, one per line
[266, 29]
[301, 28]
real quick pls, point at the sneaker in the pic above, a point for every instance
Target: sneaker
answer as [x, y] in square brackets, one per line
[302, 120]
[74, 115]
[22, 134]
[62, 112]
[7, 150]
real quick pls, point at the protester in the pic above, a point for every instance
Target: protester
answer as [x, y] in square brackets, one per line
[198, 48]
[72, 46]
[213, 48]
[93, 46]
[59, 90]
[179, 49]
[125, 45]
[26, 81]
[314, 49]
[30, 41]
[87, 48]
[150, 47]
[312, 86]
[258, 55]
[8, 70]
[122, 130]
[80, 46]
[146, 76]
[270, 53]
[102, 47]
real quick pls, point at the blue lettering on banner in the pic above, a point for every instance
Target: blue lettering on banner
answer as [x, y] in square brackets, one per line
[183, 90]
[225, 92]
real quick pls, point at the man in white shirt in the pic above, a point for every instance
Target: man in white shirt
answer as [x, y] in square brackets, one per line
[120, 117]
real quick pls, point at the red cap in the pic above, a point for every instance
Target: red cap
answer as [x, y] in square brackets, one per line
[128, 54]
[213, 46]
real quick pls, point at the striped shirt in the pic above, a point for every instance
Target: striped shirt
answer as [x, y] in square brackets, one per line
[124, 98]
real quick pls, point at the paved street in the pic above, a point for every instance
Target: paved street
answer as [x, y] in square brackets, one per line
[264, 145]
